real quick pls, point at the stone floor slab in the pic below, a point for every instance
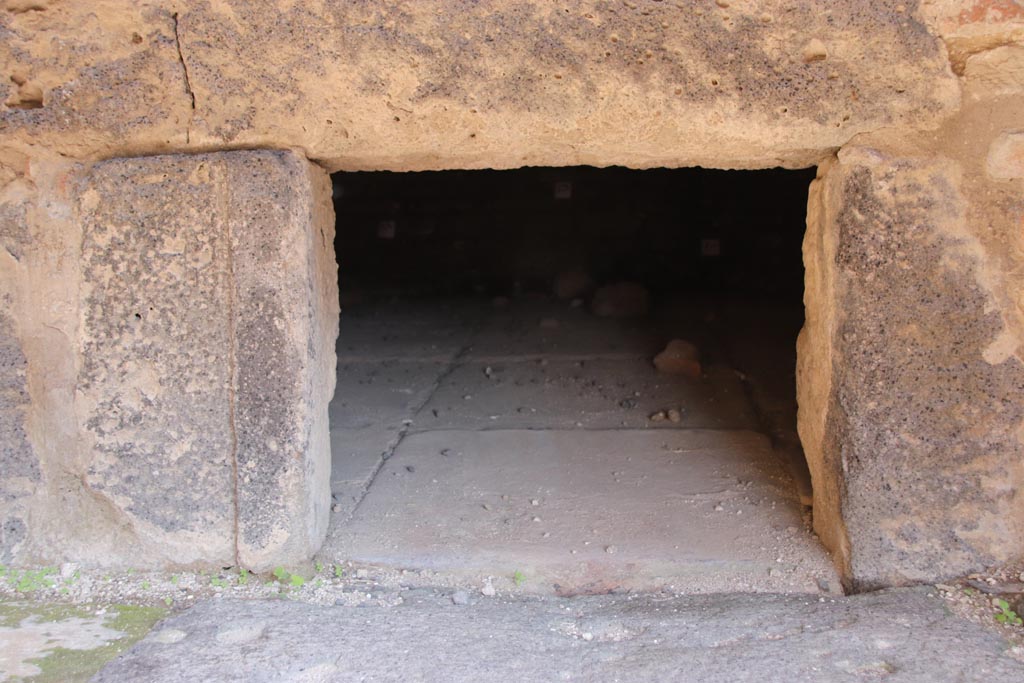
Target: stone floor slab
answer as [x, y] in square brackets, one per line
[376, 393]
[591, 394]
[590, 511]
[408, 329]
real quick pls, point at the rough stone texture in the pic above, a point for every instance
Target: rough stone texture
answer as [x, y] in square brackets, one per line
[207, 361]
[281, 226]
[1006, 157]
[910, 376]
[19, 463]
[900, 635]
[973, 27]
[500, 83]
[154, 387]
[20, 466]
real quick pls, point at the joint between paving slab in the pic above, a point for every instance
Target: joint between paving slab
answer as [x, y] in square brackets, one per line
[453, 364]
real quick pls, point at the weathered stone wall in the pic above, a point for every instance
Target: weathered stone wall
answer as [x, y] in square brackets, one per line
[201, 365]
[911, 372]
[910, 362]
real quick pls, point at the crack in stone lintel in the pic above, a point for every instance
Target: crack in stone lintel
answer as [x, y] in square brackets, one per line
[188, 81]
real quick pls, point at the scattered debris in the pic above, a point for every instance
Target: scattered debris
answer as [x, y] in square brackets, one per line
[680, 357]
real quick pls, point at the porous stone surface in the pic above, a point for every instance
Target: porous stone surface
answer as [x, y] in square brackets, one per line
[500, 83]
[20, 465]
[285, 323]
[910, 375]
[208, 320]
[154, 394]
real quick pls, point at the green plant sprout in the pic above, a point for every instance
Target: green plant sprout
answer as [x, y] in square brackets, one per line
[339, 571]
[289, 579]
[519, 578]
[243, 576]
[1007, 615]
[319, 567]
[31, 580]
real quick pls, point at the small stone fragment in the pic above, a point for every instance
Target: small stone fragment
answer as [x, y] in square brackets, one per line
[814, 51]
[675, 416]
[335, 508]
[659, 416]
[460, 598]
[610, 549]
[621, 300]
[680, 357]
[1006, 157]
[488, 590]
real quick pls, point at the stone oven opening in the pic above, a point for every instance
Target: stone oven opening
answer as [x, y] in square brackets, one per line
[573, 378]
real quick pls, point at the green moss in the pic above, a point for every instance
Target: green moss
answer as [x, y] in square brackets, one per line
[63, 664]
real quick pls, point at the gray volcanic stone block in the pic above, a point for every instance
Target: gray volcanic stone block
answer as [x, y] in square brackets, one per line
[910, 393]
[281, 225]
[200, 396]
[19, 466]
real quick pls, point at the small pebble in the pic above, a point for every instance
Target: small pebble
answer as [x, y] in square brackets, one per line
[460, 598]
[536, 502]
[488, 590]
[335, 508]
[675, 416]
[610, 549]
[588, 636]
